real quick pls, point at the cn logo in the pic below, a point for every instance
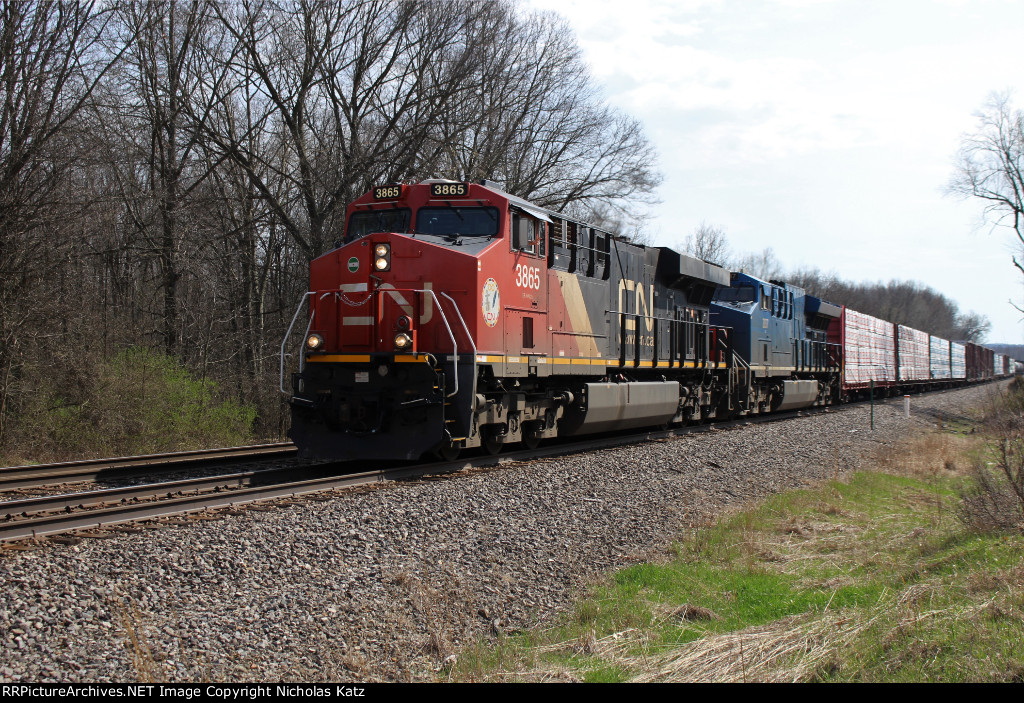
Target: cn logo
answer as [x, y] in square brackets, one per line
[428, 301]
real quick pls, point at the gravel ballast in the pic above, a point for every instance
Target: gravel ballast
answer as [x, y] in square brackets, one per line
[387, 583]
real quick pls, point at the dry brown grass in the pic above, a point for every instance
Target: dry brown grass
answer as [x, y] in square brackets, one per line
[798, 648]
[682, 614]
[440, 607]
[987, 503]
[791, 649]
[146, 667]
[928, 455]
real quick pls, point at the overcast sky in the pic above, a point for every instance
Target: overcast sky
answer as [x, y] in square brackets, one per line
[825, 129]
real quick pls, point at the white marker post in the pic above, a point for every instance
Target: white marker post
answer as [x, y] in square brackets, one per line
[906, 406]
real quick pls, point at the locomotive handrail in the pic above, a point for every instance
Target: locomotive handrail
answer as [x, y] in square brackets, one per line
[465, 328]
[730, 352]
[455, 346]
[288, 334]
[437, 302]
[444, 318]
[724, 343]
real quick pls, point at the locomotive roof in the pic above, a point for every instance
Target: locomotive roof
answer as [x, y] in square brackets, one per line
[698, 268]
[675, 268]
[535, 210]
[816, 306]
[813, 305]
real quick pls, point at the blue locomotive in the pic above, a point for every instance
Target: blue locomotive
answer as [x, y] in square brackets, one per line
[779, 335]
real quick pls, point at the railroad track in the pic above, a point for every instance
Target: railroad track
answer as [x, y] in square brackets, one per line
[47, 516]
[16, 477]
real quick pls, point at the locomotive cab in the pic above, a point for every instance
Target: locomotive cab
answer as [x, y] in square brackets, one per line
[389, 355]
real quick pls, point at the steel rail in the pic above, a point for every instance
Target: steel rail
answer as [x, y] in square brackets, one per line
[106, 517]
[166, 489]
[13, 477]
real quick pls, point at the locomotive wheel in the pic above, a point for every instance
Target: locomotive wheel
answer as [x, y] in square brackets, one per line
[531, 442]
[449, 452]
[492, 445]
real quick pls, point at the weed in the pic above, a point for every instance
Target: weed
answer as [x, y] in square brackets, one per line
[139, 401]
[142, 656]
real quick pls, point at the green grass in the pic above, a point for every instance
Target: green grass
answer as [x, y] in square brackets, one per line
[874, 579]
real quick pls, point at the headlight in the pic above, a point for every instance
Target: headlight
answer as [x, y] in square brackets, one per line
[402, 341]
[403, 322]
[382, 257]
[314, 342]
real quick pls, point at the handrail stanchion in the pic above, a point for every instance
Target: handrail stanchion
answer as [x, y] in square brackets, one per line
[287, 334]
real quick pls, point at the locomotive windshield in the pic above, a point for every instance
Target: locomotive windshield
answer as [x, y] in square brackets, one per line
[364, 223]
[737, 294]
[464, 221]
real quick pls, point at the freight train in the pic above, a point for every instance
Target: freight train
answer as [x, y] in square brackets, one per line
[454, 315]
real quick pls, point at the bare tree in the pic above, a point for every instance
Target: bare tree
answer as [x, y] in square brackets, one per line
[971, 326]
[51, 60]
[539, 126]
[263, 80]
[990, 167]
[335, 97]
[764, 265]
[154, 145]
[708, 242]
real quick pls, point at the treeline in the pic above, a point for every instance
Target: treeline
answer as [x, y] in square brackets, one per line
[903, 302]
[169, 168]
[1015, 351]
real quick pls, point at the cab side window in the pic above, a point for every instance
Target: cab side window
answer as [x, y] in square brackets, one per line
[602, 242]
[528, 234]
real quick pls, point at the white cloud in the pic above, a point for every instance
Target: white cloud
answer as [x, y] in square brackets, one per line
[784, 99]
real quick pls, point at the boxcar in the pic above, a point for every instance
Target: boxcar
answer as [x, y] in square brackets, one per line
[939, 359]
[869, 350]
[913, 349]
[958, 361]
